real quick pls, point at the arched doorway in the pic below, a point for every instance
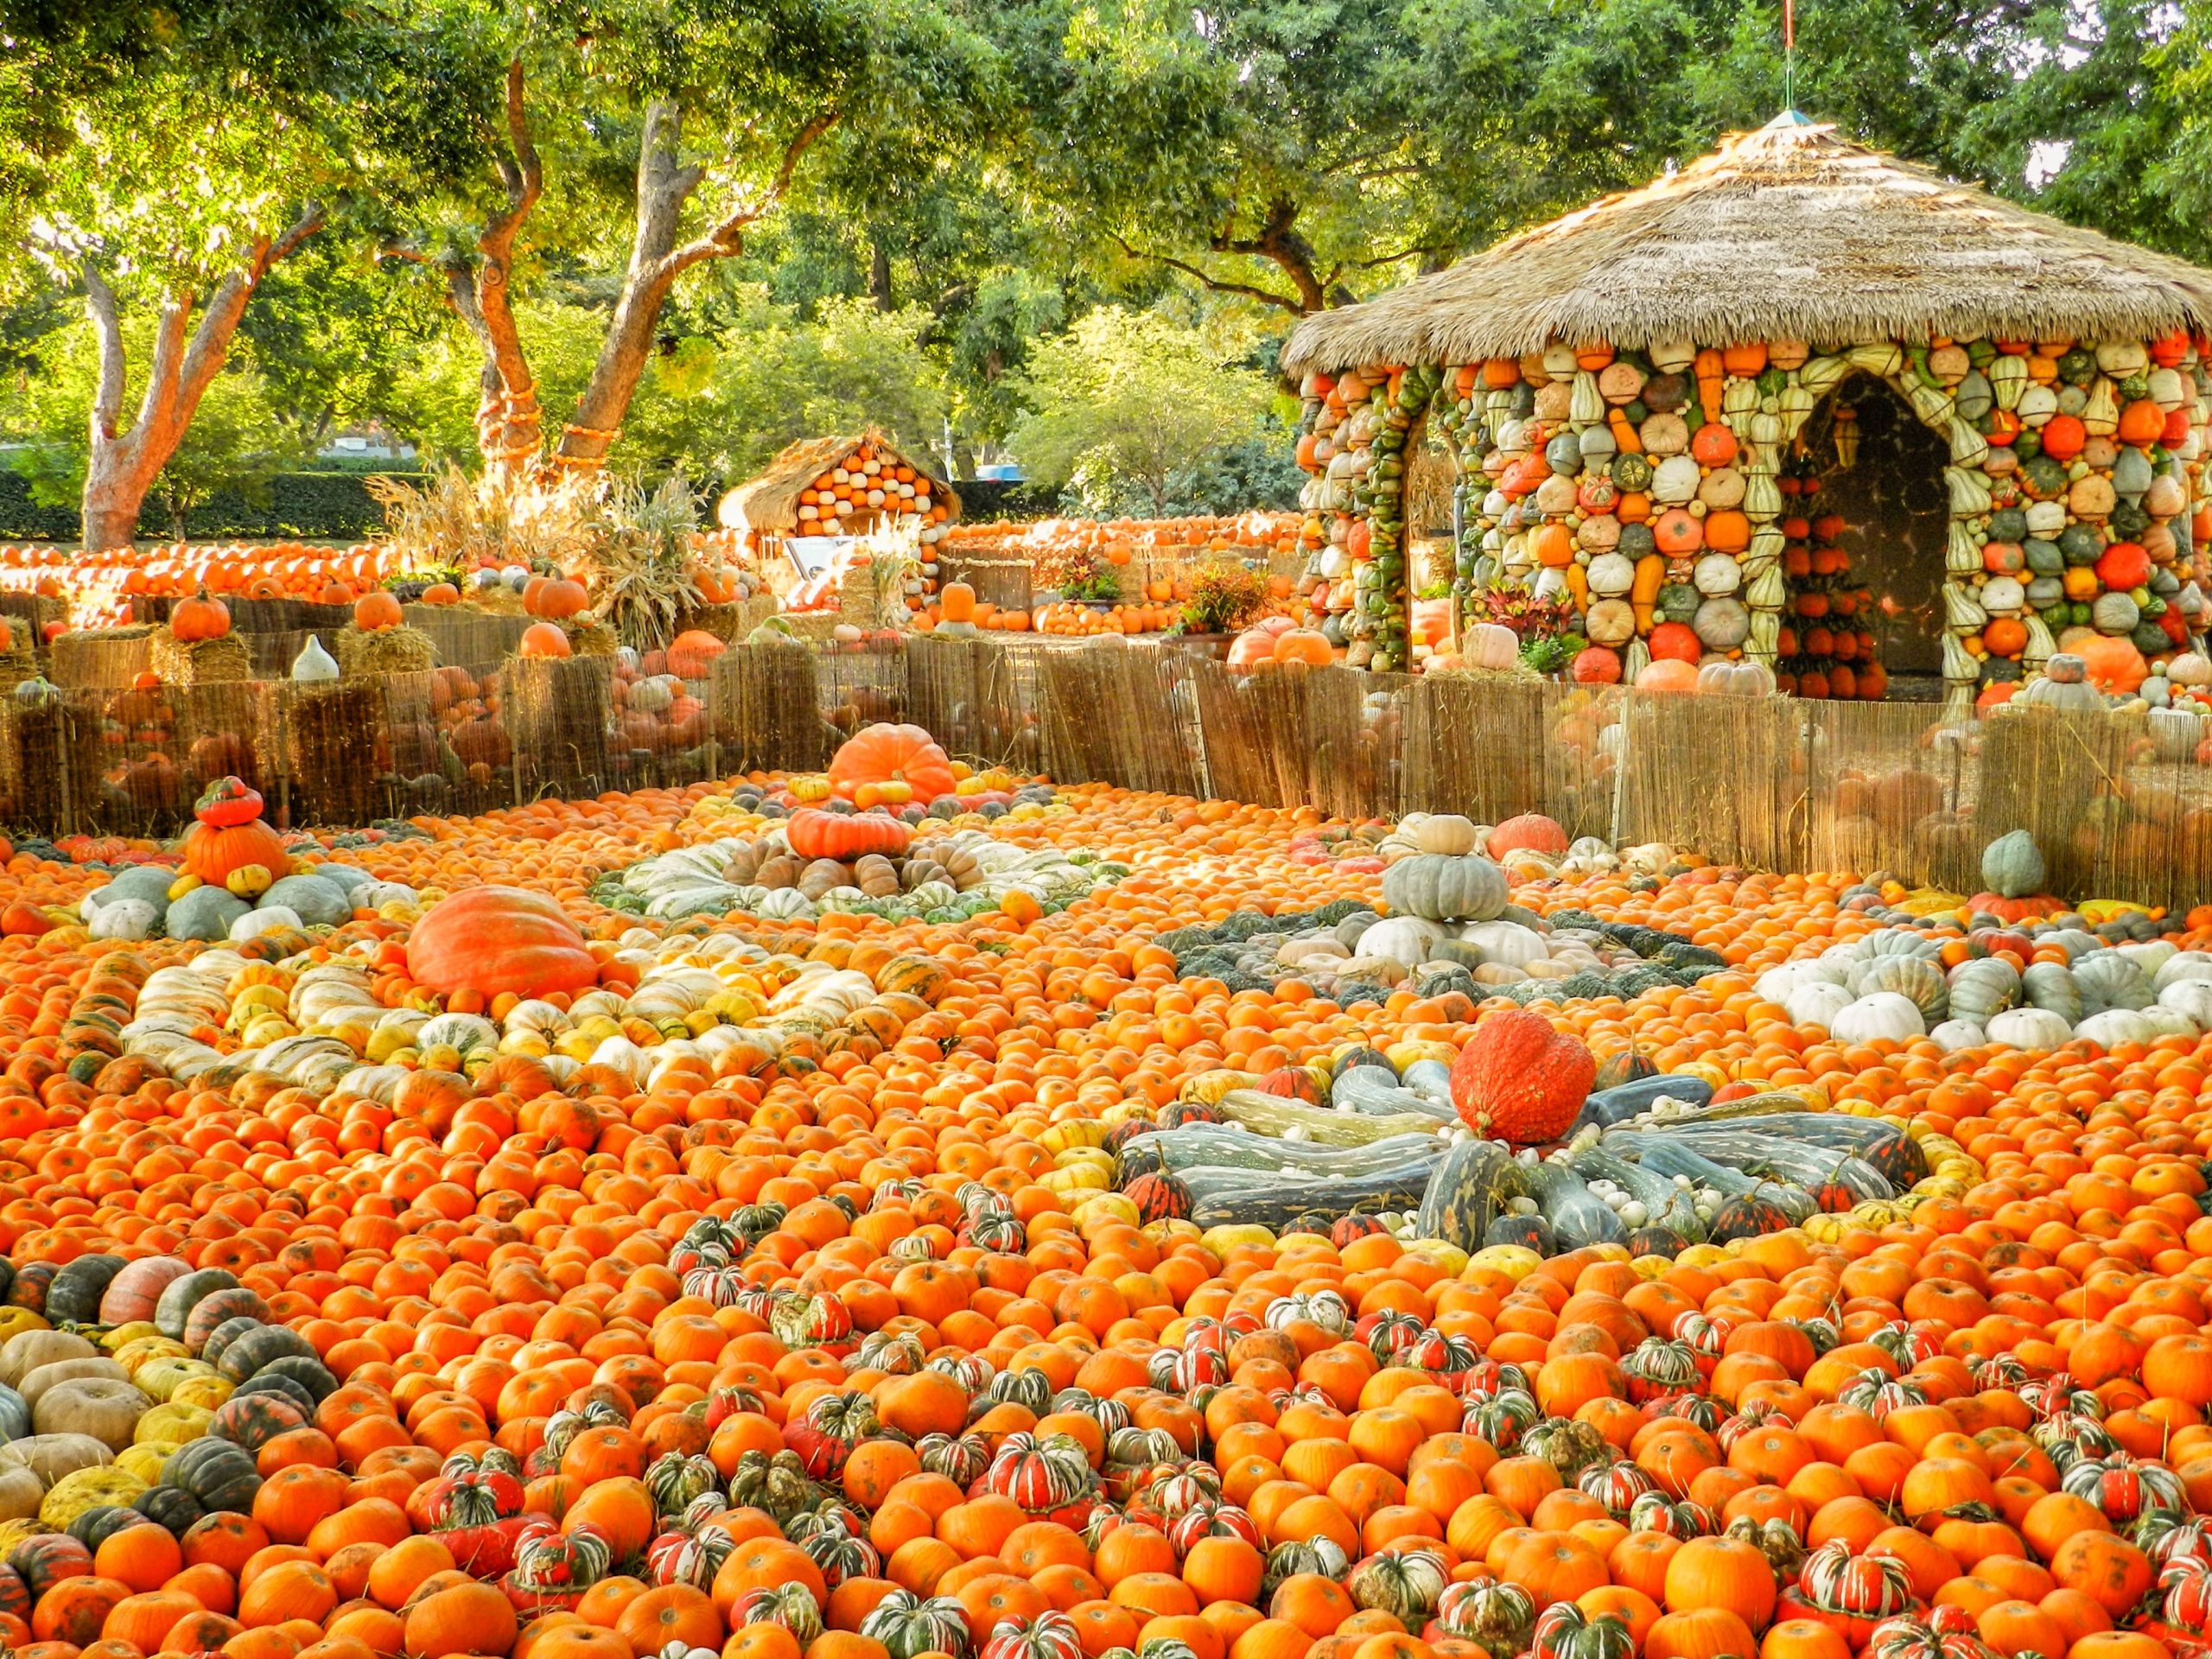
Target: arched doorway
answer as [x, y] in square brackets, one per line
[1878, 505]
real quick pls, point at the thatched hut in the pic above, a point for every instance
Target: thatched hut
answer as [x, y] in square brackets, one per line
[840, 486]
[1773, 408]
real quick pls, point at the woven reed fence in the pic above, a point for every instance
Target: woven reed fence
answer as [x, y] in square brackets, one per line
[2120, 810]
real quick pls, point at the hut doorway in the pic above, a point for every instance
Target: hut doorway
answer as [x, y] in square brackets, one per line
[1879, 518]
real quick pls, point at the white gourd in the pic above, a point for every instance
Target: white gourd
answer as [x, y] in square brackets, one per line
[314, 664]
[1817, 1002]
[2030, 1028]
[1883, 1015]
[1956, 1034]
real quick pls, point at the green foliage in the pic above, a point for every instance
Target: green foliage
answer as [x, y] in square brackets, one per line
[1131, 395]
[1224, 597]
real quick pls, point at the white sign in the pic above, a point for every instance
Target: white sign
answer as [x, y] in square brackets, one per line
[815, 555]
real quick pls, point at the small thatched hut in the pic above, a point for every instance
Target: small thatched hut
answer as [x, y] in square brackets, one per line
[1712, 417]
[840, 486]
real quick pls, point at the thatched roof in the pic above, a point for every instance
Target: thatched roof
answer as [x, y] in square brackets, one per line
[769, 502]
[1789, 232]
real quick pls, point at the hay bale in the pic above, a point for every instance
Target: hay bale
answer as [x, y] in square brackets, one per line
[730, 622]
[332, 728]
[501, 600]
[198, 662]
[589, 637]
[92, 657]
[365, 653]
[17, 664]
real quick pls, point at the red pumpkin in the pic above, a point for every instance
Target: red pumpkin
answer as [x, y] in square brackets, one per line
[1519, 1080]
[885, 754]
[1532, 832]
[495, 939]
[227, 803]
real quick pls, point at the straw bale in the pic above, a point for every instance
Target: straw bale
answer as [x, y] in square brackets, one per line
[589, 637]
[1789, 232]
[729, 622]
[198, 662]
[331, 728]
[365, 652]
[17, 664]
[101, 656]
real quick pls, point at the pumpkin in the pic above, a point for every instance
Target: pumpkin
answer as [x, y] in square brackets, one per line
[2012, 865]
[692, 654]
[887, 754]
[214, 855]
[227, 803]
[543, 641]
[1530, 832]
[816, 834]
[957, 602]
[557, 600]
[377, 611]
[200, 617]
[1441, 887]
[497, 940]
[1518, 1080]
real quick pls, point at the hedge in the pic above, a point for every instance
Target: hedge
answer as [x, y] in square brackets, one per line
[320, 504]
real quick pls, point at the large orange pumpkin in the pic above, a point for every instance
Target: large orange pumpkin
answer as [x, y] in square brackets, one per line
[497, 939]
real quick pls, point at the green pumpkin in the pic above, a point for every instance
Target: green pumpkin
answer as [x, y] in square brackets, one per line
[2081, 544]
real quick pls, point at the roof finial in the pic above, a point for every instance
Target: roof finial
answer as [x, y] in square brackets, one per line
[1788, 57]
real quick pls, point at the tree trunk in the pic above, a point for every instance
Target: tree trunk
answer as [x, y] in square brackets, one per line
[123, 463]
[878, 275]
[664, 186]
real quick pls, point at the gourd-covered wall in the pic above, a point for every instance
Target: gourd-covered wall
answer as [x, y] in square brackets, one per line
[1645, 487]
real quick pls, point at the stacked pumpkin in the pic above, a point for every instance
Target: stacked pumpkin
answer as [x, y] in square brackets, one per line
[1826, 647]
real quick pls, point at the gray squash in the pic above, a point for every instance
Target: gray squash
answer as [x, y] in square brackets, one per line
[314, 900]
[2012, 865]
[1445, 887]
[206, 913]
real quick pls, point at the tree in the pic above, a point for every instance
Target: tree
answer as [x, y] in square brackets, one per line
[234, 445]
[710, 108]
[1271, 149]
[182, 156]
[1130, 395]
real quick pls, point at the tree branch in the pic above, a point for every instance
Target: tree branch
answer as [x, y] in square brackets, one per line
[99, 305]
[725, 237]
[1285, 301]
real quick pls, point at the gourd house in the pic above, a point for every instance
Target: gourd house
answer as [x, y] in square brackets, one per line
[1799, 408]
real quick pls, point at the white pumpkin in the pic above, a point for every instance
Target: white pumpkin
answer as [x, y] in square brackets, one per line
[1444, 832]
[1816, 1003]
[2169, 1022]
[1401, 938]
[313, 665]
[1955, 1034]
[1881, 1014]
[1489, 645]
[375, 895]
[1507, 943]
[255, 923]
[2191, 998]
[123, 919]
[2190, 668]
[2183, 964]
[2114, 1027]
[2030, 1028]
